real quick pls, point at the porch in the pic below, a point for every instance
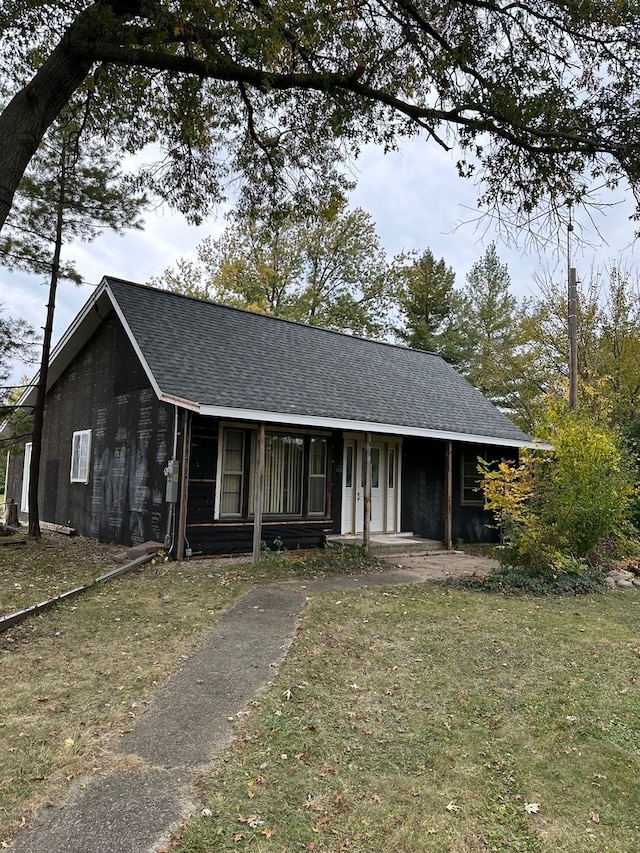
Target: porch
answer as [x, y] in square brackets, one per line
[390, 543]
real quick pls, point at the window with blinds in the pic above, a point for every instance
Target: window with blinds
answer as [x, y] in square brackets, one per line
[295, 474]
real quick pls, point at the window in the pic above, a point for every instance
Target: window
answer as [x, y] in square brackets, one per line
[348, 477]
[392, 468]
[283, 455]
[317, 475]
[26, 472]
[80, 451]
[295, 474]
[375, 468]
[232, 473]
[471, 480]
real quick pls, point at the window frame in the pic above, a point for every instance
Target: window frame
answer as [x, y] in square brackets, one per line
[26, 477]
[248, 467]
[466, 478]
[78, 474]
[234, 472]
[318, 477]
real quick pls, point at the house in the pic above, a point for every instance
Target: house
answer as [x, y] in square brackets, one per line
[156, 402]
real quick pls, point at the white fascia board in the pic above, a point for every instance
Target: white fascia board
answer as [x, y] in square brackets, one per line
[294, 419]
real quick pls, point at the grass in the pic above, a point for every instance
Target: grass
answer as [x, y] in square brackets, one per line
[403, 719]
[439, 720]
[77, 676]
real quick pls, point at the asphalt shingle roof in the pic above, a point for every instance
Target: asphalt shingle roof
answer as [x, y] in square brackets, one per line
[214, 355]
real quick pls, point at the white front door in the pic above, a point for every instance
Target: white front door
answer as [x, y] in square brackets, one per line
[384, 491]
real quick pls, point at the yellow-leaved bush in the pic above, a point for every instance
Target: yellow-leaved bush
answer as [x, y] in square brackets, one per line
[559, 504]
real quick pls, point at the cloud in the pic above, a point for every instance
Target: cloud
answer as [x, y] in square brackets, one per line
[417, 201]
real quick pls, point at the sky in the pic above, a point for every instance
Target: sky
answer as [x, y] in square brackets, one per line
[416, 200]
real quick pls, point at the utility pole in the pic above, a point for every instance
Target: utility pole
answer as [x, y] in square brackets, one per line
[573, 339]
[572, 321]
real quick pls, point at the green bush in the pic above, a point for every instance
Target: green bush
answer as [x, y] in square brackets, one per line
[516, 581]
[554, 507]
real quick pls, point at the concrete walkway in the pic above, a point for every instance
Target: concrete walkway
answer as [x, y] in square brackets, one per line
[188, 724]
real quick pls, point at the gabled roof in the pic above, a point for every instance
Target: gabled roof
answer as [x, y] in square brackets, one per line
[233, 363]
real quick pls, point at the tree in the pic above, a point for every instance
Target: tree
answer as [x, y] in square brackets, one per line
[491, 321]
[541, 97]
[17, 340]
[429, 306]
[325, 269]
[554, 508]
[74, 189]
[608, 310]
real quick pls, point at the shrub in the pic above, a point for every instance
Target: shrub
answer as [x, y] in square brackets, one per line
[554, 507]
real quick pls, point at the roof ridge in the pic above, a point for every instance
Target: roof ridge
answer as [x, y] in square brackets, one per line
[270, 317]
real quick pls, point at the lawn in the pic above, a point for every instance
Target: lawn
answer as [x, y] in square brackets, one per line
[439, 720]
[77, 676]
[403, 719]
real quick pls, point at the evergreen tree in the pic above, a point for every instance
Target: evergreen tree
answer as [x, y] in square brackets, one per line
[73, 189]
[428, 305]
[491, 323]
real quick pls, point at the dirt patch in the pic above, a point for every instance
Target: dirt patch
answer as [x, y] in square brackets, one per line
[448, 564]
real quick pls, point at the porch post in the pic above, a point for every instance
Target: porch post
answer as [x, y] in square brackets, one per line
[257, 496]
[448, 491]
[181, 532]
[366, 526]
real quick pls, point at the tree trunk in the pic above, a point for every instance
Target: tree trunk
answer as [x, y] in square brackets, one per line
[41, 388]
[31, 112]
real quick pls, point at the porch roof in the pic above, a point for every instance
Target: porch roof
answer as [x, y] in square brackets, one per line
[234, 363]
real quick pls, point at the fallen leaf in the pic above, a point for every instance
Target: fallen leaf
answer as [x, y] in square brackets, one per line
[452, 807]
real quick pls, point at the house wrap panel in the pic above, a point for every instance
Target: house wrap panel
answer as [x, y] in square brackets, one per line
[105, 390]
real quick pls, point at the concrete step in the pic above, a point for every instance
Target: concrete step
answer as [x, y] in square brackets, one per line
[391, 543]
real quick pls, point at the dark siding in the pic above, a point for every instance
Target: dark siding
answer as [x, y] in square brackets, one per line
[106, 390]
[335, 486]
[13, 486]
[422, 502]
[473, 523]
[238, 538]
[203, 462]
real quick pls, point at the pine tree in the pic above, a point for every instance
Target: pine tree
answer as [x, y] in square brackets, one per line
[428, 305]
[491, 323]
[74, 189]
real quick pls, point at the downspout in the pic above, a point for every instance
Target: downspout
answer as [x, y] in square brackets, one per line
[169, 538]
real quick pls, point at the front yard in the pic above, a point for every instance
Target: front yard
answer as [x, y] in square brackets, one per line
[403, 719]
